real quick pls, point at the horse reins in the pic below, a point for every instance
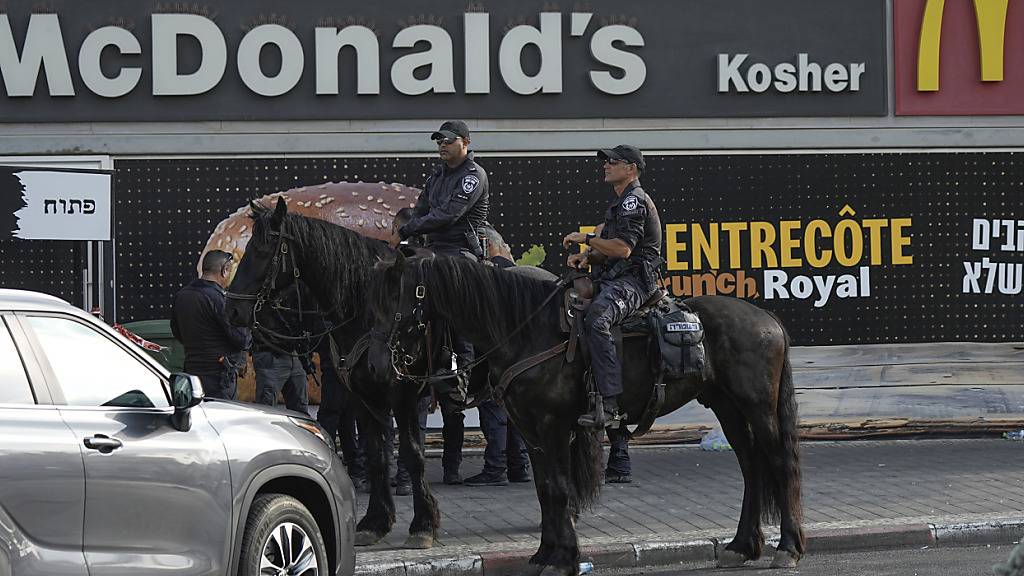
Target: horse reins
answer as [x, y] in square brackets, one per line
[417, 313]
[277, 265]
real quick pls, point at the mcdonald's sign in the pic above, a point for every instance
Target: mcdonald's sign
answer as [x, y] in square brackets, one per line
[959, 57]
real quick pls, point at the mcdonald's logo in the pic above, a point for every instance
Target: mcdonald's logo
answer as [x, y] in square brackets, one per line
[959, 57]
[991, 16]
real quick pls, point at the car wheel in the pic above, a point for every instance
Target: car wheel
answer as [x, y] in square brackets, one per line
[281, 537]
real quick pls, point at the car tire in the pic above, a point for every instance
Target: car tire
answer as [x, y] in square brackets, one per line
[281, 532]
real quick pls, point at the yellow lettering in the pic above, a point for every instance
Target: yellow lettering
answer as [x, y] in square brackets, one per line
[787, 243]
[848, 251]
[734, 229]
[705, 246]
[874, 226]
[817, 229]
[674, 247]
[762, 240]
[899, 241]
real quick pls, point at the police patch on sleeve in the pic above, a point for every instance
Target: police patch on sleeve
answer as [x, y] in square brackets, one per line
[630, 203]
[469, 184]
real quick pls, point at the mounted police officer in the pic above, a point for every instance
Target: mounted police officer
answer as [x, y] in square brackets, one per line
[628, 251]
[449, 213]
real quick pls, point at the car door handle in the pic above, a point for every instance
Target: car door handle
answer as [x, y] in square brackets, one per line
[103, 443]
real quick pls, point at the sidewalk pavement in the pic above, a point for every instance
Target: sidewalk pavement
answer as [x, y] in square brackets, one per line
[684, 503]
[880, 390]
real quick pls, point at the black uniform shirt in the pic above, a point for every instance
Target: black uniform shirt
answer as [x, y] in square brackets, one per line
[633, 218]
[199, 323]
[452, 207]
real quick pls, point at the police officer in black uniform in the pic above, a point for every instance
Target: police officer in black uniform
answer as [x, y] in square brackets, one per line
[628, 251]
[449, 213]
[214, 349]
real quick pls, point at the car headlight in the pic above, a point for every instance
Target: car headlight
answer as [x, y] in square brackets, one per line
[312, 428]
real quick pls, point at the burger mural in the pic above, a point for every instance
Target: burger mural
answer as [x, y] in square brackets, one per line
[366, 208]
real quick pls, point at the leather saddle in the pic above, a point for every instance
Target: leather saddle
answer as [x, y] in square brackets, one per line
[577, 299]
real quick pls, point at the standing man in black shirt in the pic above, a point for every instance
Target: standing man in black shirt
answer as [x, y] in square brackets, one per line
[214, 349]
[449, 214]
[629, 252]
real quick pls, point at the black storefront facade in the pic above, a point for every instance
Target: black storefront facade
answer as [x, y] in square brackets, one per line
[789, 162]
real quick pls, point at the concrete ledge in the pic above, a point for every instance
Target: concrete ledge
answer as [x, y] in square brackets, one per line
[666, 553]
[610, 555]
[648, 554]
[505, 563]
[391, 568]
[979, 533]
[465, 566]
[843, 540]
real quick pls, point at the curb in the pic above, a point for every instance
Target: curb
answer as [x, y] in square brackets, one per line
[651, 554]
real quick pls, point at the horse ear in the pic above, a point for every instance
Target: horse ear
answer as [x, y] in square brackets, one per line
[257, 208]
[280, 211]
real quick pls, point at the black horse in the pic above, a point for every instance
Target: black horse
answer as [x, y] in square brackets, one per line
[748, 386]
[335, 264]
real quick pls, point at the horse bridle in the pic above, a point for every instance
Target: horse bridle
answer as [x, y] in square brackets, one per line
[400, 359]
[399, 355]
[277, 266]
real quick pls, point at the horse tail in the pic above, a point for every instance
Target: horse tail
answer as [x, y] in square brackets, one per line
[585, 467]
[789, 438]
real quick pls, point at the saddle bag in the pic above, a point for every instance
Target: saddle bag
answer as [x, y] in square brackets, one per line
[678, 338]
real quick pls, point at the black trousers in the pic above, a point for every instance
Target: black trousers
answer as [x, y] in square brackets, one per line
[338, 413]
[616, 300]
[618, 453]
[505, 449]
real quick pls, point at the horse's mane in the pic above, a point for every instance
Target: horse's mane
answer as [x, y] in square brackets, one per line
[342, 259]
[487, 296]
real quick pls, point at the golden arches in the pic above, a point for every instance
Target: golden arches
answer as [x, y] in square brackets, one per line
[991, 19]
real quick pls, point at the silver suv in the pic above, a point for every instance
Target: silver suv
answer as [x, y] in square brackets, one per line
[111, 466]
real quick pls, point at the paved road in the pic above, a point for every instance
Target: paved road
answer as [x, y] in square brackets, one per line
[972, 561]
[681, 493]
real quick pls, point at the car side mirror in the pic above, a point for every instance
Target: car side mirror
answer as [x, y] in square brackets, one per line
[186, 392]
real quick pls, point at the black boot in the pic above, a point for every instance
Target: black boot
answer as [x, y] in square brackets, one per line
[605, 414]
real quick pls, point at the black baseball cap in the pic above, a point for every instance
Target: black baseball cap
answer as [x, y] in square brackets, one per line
[626, 153]
[451, 129]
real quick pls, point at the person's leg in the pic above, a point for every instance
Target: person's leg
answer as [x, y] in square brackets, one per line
[617, 299]
[229, 378]
[619, 469]
[453, 435]
[348, 436]
[493, 422]
[270, 375]
[517, 454]
[212, 386]
[296, 393]
[332, 394]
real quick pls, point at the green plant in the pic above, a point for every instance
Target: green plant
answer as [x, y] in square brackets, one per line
[532, 257]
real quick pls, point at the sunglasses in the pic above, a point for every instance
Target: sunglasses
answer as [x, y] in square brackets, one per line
[447, 141]
[615, 161]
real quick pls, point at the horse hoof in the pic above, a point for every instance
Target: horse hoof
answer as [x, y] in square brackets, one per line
[785, 559]
[419, 541]
[730, 559]
[366, 538]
